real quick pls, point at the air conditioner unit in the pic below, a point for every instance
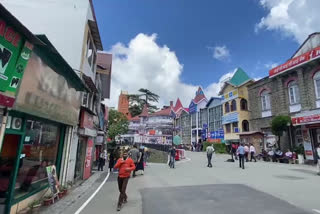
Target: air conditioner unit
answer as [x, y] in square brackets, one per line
[16, 123]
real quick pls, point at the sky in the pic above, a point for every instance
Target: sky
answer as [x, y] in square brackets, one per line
[172, 47]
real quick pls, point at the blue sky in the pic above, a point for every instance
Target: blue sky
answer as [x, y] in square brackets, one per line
[192, 29]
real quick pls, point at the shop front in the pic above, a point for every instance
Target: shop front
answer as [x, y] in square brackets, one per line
[46, 104]
[308, 124]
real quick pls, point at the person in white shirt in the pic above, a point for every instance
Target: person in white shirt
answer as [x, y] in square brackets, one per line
[246, 152]
[210, 151]
[318, 154]
[288, 154]
[252, 152]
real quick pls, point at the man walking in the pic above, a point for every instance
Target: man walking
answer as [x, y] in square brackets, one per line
[318, 154]
[134, 155]
[246, 152]
[241, 153]
[125, 166]
[252, 152]
[210, 151]
[172, 154]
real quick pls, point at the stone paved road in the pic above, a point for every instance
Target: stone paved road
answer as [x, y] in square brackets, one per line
[194, 188]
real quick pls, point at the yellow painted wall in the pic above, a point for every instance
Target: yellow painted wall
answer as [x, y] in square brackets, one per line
[243, 115]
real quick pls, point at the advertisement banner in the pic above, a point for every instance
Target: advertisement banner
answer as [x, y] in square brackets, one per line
[230, 118]
[297, 61]
[305, 119]
[230, 96]
[217, 134]
[87, 164]
[192, 107]
[53, 179]
[307, 144]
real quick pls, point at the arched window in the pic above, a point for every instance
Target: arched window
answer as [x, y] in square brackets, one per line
[265, 100]
[294, 95]
[244, 105]
[226, 107]
[316, 80]
[234, 105]
[245, 126]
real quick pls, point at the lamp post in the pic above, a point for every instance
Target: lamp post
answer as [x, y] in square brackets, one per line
[289, 131]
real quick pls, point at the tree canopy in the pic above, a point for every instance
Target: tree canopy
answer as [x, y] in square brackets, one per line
[279, 125]
[137, 101]
[117, 123]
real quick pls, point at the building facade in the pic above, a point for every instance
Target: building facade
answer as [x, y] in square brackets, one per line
[235, 118]
[292, 89]
[182, 122]
[215, 131]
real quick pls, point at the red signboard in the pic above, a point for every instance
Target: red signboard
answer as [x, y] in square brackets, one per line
[305, 119]
[299, 60]
[86, 120]
[87, 164]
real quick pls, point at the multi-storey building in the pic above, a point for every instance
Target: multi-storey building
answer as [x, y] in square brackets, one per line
[182, 121]
[214, 111]
[293, 89]
[235, 118]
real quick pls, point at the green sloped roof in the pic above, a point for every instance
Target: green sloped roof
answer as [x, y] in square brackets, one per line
[239, 77]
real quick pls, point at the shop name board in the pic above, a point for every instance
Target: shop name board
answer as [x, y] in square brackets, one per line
[9, 34]
[192, 107]
[305, 119]
[217, 134]
[230, 96]
[297, 61]
[230, 118]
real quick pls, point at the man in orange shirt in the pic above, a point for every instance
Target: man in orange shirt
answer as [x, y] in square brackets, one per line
[125, 166]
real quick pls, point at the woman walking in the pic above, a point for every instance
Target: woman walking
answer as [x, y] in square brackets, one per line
[140, 165]
[111, 161]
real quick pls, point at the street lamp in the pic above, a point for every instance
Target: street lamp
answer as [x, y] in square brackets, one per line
[289, 130]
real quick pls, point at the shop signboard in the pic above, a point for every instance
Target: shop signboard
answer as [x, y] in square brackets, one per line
[307, 144]
[305, 119]
[53, 179]
[192, 107]
[217, 134]
[14, 56]
[230, 118]
[47, 94]
[86, 120]
[230, 96]
[87, 164]
[295, 62]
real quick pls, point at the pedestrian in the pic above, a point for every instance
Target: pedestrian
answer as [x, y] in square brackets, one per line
[172, 154]
[318, 154]
[134, 155]
[252, 152]
[246, 152]
[140, 165]
[210, 151]
[125, 166]
[101, 161]
[241, 152]
[111, 160]
[234, 151]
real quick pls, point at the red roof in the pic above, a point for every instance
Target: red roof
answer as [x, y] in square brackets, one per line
[177, 106]
[199, 96]
[163, 112]
[145, 111]
[135, 118]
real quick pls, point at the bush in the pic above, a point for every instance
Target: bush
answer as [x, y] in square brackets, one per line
[219, 148]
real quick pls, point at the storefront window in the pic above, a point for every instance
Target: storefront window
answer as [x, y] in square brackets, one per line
[40, 149]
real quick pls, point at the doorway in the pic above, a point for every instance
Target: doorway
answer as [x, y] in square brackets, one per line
[8, 159]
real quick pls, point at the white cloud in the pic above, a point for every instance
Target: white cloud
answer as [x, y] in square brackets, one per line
[144, 64]
[220, 52]
[270, 65]
[293, 18]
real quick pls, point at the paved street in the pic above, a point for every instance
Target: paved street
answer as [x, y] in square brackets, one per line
[194, 188]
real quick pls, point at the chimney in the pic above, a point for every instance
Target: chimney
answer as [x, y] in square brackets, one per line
[171, 103]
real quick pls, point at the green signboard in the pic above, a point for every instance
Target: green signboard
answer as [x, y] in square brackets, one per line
[14, 55]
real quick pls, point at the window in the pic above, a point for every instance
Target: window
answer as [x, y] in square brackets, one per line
[244, 105]
[40, 150]
[294, 96]
[265, 100]
[91, 53]
[84, 99]
[235, 127]
[226, 107]
[233, 105]
[316, 79]
[228, 128]
[245, 126]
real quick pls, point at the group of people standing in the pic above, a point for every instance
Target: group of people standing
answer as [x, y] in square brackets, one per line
[243, 152]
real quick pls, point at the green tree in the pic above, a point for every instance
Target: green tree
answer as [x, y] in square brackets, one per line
[118, 124]
[137, 101]
[279, 125]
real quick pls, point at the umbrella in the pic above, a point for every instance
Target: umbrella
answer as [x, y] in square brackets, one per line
[177, 140]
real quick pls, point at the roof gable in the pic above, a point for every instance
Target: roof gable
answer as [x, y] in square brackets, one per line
[199, 96]
[239, 78]
[214, 101]
[145, 111]
[178, 105]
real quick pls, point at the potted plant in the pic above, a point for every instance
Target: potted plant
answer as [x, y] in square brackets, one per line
[62, 191]
[300, 152]
[48, 200]
[34, 207]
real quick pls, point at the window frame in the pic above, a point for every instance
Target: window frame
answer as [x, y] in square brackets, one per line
[293, 90]
[91, 63]
[228, 130]
[226, 110]
[233, 105]
[265, 97]
[316, 77]
[246, 104]
[243, 129]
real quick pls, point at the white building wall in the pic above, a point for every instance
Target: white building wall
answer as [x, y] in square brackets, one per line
[62, 21]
